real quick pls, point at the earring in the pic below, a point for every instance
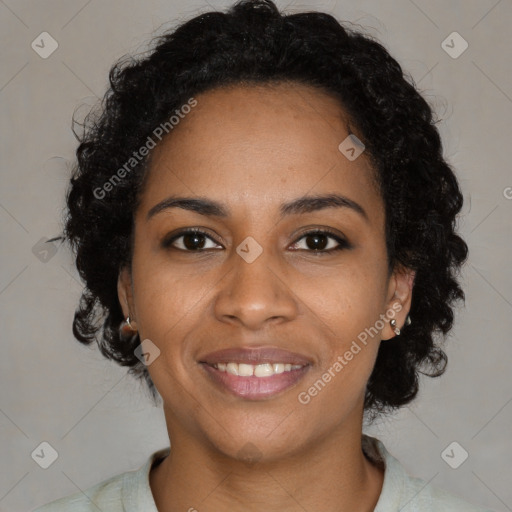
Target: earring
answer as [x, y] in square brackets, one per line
[129, 324]
[127, 329]
[392, 322]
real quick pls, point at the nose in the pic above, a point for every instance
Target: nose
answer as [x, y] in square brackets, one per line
[255, 294]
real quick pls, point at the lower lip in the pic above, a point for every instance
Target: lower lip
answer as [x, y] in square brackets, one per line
[255, 388]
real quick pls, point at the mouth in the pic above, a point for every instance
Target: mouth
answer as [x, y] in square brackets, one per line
[254, 374]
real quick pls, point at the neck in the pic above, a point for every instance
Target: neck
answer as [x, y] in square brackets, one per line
[330, 475]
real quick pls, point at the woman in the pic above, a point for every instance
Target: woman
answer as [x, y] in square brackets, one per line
[264, 218]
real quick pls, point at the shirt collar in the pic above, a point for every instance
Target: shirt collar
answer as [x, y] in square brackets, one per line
[393, 487]
[136, 490]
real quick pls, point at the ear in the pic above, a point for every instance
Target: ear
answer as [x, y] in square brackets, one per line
[125, 294]
[399, 300]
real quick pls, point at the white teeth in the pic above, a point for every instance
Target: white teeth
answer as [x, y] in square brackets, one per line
[263, 370]
[278, 367]
[245, 370]
[232, 368]
[259, 370]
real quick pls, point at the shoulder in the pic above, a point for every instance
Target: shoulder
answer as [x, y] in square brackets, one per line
[406, 493]
[422, 496]
[129, 491]
[105, 496]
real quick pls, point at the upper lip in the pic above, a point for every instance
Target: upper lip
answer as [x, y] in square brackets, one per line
[254, 356]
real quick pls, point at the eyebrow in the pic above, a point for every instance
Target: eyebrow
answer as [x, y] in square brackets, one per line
[301, 205]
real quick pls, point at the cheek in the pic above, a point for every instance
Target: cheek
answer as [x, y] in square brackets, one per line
[167, 303]
[164, 292]
[349, 308]
[352, 298]
[168, 306]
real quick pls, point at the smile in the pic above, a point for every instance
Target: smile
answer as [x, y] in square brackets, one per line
[254, 382]
[259, 370]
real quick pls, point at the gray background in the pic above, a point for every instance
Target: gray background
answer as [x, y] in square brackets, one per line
[99, 420]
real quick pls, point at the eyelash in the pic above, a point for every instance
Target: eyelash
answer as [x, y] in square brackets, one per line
[343, 244]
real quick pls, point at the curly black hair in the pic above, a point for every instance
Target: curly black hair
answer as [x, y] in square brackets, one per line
[253, 43]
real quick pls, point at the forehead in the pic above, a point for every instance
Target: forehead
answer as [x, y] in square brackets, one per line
[292, 117]
[260, 143]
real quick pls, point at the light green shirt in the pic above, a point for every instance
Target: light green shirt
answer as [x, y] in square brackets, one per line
[130, 491]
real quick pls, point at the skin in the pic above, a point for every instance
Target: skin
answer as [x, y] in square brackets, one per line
[251, 149]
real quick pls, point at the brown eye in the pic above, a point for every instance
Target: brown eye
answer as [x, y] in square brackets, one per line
[321, 241]
[191, 240]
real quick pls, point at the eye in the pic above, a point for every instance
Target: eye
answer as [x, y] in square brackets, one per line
[317, 241]
[193, 240]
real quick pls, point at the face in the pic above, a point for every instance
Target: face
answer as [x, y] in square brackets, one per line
[265, 272]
